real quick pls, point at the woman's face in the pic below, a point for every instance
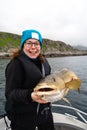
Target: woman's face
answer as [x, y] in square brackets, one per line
[32, 48]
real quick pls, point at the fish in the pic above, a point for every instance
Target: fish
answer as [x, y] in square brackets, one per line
[56, 86]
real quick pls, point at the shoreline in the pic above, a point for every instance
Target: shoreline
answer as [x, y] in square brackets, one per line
[4, 55]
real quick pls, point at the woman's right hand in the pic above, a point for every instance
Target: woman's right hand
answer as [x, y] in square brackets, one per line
[37, 98]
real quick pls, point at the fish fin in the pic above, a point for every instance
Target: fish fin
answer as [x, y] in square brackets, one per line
[66, 100]
[79, 90]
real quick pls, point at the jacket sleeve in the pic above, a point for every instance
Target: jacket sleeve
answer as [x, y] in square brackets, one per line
[14, 81]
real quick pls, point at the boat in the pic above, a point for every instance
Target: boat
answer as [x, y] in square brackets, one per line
[62, 121]
[66, 121]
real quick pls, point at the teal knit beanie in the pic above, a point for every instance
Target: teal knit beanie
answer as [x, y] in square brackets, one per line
[28, 34]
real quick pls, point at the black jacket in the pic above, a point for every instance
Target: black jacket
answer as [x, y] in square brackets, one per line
[22, 75]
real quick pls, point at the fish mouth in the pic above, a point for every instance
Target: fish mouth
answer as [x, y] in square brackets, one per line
[45, 89]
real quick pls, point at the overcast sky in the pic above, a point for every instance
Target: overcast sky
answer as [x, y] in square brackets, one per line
[62, 20]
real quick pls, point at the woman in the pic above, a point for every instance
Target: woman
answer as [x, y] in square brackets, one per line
[24, 108]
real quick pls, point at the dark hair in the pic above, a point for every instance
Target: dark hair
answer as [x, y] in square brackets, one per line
[15, 53]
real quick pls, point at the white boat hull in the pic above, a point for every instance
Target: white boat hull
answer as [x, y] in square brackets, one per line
[61, 122]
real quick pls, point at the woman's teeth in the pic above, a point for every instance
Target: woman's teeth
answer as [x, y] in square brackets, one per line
[32, 52]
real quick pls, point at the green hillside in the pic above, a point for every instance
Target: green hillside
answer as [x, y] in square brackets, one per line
[9, 40]
[50, 48]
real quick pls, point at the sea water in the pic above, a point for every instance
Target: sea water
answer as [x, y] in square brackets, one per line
[78, 64]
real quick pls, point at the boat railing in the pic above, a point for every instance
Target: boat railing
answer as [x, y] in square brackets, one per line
[79, 112]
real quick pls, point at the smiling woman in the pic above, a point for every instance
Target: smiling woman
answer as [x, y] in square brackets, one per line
[27, 67]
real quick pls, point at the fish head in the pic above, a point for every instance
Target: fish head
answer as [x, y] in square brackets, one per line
[50, 85]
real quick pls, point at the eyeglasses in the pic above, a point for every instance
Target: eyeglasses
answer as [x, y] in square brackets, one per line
[36, 44]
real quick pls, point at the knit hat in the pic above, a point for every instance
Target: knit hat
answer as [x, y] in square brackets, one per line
[28, 34]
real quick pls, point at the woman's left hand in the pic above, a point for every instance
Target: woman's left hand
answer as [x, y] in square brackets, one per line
[37, 98]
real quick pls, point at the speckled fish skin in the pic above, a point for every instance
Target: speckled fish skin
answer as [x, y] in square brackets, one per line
[56, 86]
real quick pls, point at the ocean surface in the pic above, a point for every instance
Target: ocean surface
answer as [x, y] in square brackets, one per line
[78, 64]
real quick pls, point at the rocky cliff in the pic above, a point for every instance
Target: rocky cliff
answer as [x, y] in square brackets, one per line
[50, 48]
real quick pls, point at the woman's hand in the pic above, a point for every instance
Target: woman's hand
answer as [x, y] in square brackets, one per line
[37, 98]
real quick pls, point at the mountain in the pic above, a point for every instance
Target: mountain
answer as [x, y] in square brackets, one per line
[50, 47]
[9, 40]
[80, 47]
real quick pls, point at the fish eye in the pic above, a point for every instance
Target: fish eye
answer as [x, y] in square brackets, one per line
[54, 80]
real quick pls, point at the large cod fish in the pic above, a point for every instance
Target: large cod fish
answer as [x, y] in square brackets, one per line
[56, 86]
